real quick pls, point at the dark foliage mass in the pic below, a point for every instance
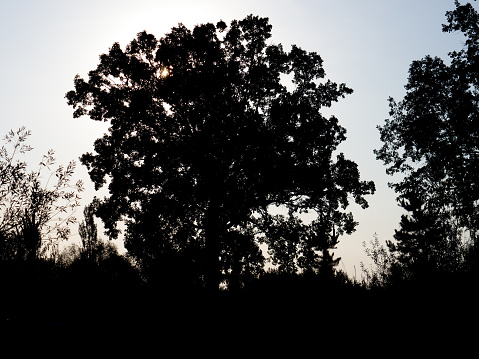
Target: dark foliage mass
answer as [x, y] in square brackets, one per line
[211, 160]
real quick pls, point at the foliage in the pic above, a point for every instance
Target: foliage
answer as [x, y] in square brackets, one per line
[34, 216]
[379, 273]
[294, 246]
[204, 135]
[432, 139]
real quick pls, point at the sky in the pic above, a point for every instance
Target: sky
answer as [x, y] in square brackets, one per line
[367, 44]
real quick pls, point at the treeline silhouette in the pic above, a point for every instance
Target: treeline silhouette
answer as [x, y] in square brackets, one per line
[211, 161]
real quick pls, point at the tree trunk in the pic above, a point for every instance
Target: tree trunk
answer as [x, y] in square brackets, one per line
[212, 238]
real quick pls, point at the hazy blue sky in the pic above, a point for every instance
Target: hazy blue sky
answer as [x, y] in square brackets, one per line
[367, 44]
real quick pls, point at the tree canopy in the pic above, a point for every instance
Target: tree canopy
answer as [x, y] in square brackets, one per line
[206, 135]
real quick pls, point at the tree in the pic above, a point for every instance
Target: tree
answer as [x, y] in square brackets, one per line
[326, 265]
[205, 136]
[34, 216]
[241, 260]
[432, 137]
[427, 244]
[284, 237]
[88, 231]
[298, 247]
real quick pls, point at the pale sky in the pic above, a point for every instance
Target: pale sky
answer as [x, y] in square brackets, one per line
[368, 44]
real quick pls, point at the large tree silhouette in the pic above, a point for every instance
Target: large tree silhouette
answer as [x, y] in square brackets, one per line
[206, 134]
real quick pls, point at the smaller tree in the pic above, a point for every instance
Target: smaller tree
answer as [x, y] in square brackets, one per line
[298, 247]
[326, 265]
[283, 236]
[432, 136]
[88, 231]
[429, 241]
[431, 139]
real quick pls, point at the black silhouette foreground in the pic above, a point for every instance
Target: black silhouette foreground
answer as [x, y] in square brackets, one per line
[207, 140]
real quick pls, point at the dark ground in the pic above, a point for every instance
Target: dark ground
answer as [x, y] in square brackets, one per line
[273, 315]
